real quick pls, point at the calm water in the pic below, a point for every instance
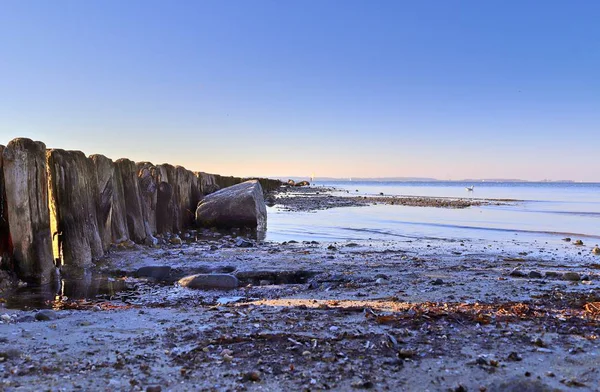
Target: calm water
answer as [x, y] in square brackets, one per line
[545, 210]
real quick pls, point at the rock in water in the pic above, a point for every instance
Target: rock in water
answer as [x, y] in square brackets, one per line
[110, 203]
[209, 281]
[240, 205]
[73, 190]
[26, 186]
[158, 272]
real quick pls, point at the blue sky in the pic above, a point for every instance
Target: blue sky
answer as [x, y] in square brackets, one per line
[445, 89]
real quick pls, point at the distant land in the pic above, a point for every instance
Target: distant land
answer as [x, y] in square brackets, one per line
[413, 179]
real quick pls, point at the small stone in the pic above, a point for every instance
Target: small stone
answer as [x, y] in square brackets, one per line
[535, 275]
[46, 315]
[514, 356]
[176, 240]
[380, 281]
[333, 328]
[578, 242]
[437, 282]
[572, 276]
[517, 273]
[567, 239]
[242, 243]
[6, 318]
[253, 376]
[596, 250]
[154, 388]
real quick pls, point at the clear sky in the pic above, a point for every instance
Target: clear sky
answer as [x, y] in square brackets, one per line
[444, 89]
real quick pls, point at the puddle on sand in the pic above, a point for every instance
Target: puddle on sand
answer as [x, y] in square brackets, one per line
[91, 289]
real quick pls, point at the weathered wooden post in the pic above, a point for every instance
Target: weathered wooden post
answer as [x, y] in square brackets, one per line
[73, 190]
[26, 186]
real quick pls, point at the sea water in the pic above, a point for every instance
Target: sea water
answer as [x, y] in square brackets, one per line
[541, 211]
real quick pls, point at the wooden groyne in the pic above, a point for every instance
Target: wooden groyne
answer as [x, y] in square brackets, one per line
[61, 209]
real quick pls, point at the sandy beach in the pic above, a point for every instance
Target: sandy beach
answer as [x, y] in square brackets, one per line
[415, 314]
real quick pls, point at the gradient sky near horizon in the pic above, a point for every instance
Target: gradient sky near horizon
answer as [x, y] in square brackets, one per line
[443, 89]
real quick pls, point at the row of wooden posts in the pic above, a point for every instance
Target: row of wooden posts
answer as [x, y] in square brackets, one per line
[60, 207]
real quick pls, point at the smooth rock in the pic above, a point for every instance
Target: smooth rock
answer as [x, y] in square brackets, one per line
[240, 205]
[209, 281]
[46, 315]
[596, 250]
[158, 272]
[535, 275]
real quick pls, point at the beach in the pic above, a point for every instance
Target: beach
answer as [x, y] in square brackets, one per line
[414, 312]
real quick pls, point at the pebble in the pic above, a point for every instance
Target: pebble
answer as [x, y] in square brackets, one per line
[242, 243]
[535, 275]
[596, 250]
[578, 242]
[175, 240]
[46, 315]
[154, 388]
[437, 282]
[572, 276]
[517, 273]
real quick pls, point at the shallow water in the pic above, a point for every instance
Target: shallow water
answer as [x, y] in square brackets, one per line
[544, 211]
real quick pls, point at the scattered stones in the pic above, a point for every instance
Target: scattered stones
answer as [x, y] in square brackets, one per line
[210, 281]
[46, 315]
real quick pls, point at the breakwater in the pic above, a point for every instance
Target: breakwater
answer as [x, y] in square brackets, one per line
[62, 209]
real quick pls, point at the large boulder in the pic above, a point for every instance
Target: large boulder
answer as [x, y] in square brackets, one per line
[73, 191]
[240, 205]
[133, 203]
[26, 186]
[110, 205]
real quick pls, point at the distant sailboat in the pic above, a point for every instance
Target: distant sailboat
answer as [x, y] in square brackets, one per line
[470, 188]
